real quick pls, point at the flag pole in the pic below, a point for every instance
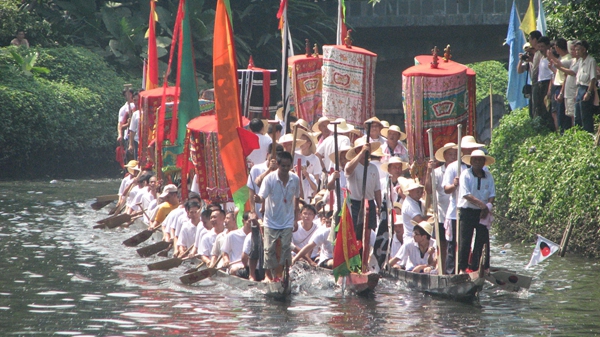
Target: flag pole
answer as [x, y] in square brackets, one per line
[459, 166]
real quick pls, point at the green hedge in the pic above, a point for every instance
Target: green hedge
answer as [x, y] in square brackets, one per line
[61, 124]
[544, 181]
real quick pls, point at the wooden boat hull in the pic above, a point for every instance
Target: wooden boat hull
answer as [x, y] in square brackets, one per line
[463, 287]
[361, 284]
[508, 280]
[278, 290]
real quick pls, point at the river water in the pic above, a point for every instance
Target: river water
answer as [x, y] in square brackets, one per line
[61, 277]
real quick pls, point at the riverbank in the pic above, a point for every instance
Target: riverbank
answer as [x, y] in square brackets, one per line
[545, 181]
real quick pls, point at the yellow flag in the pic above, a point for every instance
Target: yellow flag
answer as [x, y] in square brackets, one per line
[528, 24]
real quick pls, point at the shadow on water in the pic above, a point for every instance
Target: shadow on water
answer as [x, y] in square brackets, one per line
[61, 277]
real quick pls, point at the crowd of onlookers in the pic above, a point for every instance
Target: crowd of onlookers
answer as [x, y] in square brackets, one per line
[564, 82]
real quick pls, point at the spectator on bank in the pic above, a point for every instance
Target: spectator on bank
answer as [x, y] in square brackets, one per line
[20, 40]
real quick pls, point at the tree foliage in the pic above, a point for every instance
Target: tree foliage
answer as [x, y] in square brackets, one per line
[492, 73]
[575, 20]
[59, 124]
[544, 181]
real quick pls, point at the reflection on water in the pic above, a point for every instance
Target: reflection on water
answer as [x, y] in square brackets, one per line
[61, 277]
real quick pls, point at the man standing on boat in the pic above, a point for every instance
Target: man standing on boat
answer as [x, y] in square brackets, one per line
[447, 155]
[451, 183]
[279, 192]
[475, 197]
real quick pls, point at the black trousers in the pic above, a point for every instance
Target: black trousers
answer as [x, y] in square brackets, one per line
[451, 257]
[359, 223]
[469, 223]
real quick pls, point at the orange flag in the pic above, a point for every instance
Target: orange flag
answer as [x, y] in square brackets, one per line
[227, 105]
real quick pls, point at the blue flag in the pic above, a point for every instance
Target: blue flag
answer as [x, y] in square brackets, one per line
[541, 19]
[515, 39]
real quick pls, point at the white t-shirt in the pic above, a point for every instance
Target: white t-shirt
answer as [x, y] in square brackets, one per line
[247, 248]
[279, 200]
[545, 73]
[132, 195]
[234, 244]
[443, 199]
[327, 147]
[178, 222]
[168, 223]
[314, 166]
[187, 236]
[587, 70]
[410, 209]
[480, 188]
[138, 198]
[217, 248]
[570, 82]
[207, 243]
[255, 172]
[200, 232]
[449, 175]
[125, 183]
[320, 239]
[410, 255]
[134, 125]
[301, 237]
[355, 181]
[123, 113]
[259, 156]
[396, 244]
[148, 204]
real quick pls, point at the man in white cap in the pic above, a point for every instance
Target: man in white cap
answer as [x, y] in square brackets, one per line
[475, 197]
[327, 145]
[451, 183]
[171, 202]
[447, 155]
[418, 255]
[354, 171]
[393, 147]
[413, 209]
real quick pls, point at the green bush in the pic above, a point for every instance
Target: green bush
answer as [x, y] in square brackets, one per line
[544, 181]
[490, 72]
[15, 16]
[63, 123]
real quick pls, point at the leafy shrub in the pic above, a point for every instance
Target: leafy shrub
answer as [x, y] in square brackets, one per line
[59, 124]
[15, 16]
[490, 72]
[545, 181]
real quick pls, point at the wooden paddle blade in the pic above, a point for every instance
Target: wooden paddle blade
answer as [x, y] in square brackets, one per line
[98, 205]
[164, 252]
[110, 197]
[198, 276]
[153, 248]
[118, 220]
[191, 270]
[165, 264]
[99, 226]
[138, 238]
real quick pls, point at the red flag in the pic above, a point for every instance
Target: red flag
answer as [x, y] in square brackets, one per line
[249, 141]
[152, 67]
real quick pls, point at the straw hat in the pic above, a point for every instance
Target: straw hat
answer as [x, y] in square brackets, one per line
[394, 160]
[489, 160]
[321, 120]
[439, 154]
[425, 225]
[394, 128]
[374, 120]
[342, 152]
[343, 127]
[313, 140]
[132, 166]
[168, 189]
[410, 185]
[385, 124]
[358, 144]
[469, 142]
[289, 138]
[377, 153]
[302, 124]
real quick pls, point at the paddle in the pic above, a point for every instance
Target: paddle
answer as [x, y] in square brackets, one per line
[459, 166]
[191, 270]
[362, 214]
[140, 237]
[165, 252]
[153, 248]
[104, 200]
[200, 275]
[295, 133]
[113, 221]
[438, 232]
[169, 263]
[338, 193]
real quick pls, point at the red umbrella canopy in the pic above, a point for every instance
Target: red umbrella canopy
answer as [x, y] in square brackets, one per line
[208, 123]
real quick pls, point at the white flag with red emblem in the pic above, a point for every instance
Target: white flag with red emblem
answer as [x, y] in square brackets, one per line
[543, 249]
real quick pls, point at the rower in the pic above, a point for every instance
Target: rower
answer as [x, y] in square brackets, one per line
[304, 230]
[319, 241]
[217, 220]
[171, 201]
[174, 226]
[132, 171]
[418, 255]
[398, 228]
[187, 234]
[413, 210]
[201, 230]
[252, 253]
[234, 245]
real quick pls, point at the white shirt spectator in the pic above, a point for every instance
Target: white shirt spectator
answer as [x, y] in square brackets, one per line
[134, 125]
